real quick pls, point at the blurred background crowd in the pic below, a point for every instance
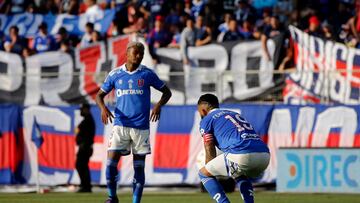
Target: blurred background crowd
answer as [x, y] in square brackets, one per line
[182, 23]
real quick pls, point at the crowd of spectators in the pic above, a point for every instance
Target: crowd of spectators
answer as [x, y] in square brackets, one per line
[183, 23]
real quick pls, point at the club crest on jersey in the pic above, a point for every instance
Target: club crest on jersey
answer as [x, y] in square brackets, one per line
[120, 82]
[140, 82]
[130, 82]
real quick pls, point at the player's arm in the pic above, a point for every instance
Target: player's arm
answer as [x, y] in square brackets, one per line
[209, 145]
[166, 94]
[105, 113]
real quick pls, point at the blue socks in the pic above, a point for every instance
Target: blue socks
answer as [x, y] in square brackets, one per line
[139, 180]
[214, 188]
[217, 193]
[246, 189]
[112, 177]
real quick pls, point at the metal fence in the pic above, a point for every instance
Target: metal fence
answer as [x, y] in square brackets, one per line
[236, 86]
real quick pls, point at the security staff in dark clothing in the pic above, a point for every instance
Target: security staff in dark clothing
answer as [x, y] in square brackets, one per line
[85, 139]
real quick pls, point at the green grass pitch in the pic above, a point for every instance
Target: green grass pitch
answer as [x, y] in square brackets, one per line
[260, 197]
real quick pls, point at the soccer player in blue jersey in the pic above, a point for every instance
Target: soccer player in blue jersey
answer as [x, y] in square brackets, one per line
[245, 154]
[132, 82]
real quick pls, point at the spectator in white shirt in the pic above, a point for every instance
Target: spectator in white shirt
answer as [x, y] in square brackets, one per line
[86, 39]
[93, 11]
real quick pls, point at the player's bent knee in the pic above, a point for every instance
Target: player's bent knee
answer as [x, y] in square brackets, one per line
[114, 155]
[205, 172]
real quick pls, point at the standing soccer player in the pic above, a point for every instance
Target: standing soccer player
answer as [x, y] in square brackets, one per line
[132, 82]
[245, 154]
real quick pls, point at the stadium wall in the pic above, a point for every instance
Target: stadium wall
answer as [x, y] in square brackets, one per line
[176, 142]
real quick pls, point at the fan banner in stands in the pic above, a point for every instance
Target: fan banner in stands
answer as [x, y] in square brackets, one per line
[325, 71]
[57, 78]
[12, 146]
[28, 23]
[205, 72]
[278, 125]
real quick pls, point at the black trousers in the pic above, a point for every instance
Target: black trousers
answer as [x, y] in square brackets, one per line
[82, 166]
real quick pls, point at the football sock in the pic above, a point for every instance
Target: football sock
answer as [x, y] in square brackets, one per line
[139, 180]
[112, 177]
[246, 190]
[214, 188]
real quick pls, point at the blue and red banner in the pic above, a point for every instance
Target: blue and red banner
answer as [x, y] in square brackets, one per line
[11, 144]
[175, 140]
[326, 71]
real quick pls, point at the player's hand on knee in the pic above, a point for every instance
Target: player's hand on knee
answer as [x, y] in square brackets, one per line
[106, 115]
[155, 113]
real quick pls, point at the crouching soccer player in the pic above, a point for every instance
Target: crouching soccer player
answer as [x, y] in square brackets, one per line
[131, 82]
[245, 154]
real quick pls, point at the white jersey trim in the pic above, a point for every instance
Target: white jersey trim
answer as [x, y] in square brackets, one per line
[214, 109]
[103, 90]
[123, 68]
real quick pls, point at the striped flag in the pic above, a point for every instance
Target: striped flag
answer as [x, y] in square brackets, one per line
[36, 136]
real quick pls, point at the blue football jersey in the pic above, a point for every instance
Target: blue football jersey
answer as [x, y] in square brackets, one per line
[231, 132]
[44, 43]
[132, 91]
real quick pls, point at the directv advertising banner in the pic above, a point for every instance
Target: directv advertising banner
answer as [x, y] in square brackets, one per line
[318, 170]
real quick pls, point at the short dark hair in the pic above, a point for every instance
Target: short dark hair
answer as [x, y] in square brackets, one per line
[62, 31]
[89, 25]
[85, 105]
[210, 99]
[16, 29]
[136, 45]
[43, 25]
